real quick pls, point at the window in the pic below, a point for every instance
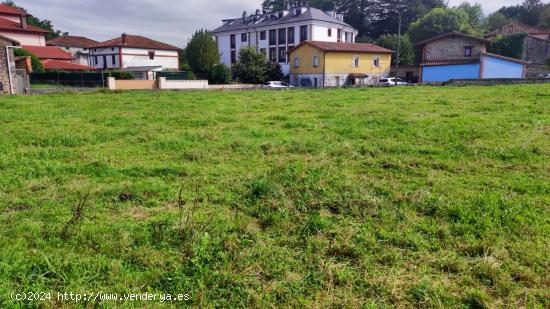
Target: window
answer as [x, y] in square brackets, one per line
[272, 37]
[290, 37]
[298, 12]
[355, 62]
[468, 51]
[232, 41]
[282, 36]
[113, 59]
[339, 34]
[113, 49]
[329, 32]
[233, 57]
[243, 37]
[376, 61]
[296, 62]
[315, 61]
[273, 54]
[303, 33]
[152, 55]
[262, 35]
[282, 55]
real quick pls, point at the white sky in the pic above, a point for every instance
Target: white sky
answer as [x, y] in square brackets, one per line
[170, 21]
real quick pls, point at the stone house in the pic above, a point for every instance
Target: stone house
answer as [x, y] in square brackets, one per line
[457, 55]
[9, 82]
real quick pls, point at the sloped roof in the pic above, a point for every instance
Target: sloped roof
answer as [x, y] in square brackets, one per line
[48, 52]
[346, 47]
[517, 27]
[134, 41]
[505, 58]
[13, 42]
[10, 10]
[449, 61]
[71, 41]
[263, 20]
[451, 34]
[52, 64]
[10, 26]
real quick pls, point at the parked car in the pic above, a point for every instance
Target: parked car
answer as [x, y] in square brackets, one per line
[277, 85]
[545, 75]
[391, 82]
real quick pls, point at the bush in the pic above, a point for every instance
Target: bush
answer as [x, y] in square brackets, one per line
[254, 68]
[221, 74]
[37, 65]
[547, 61]
[509, 46]
[121, 75]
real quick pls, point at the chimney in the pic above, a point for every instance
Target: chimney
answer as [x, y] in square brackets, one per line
[124, 38]
[23, 21]
[258, 12]
[244, 16]
[65, 34]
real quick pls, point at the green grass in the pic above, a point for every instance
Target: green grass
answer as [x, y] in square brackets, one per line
[409, 197]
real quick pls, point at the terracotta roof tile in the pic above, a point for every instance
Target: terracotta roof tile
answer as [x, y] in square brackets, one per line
[10, 26]
[10, 10]
[71, 41]
[134, 41]
[51, 64]
[449, 61]
[346, 47]
[517, 27]
[48, 52]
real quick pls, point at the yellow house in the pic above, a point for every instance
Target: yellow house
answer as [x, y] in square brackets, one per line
[331, 64]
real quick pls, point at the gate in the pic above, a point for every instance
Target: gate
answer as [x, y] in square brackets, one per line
[21, 82]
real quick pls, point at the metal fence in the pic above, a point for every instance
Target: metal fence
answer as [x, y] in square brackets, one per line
[80, 79]
[182, 75]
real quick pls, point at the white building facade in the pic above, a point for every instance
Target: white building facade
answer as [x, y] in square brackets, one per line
[13, 25]
[138, 55]
[275, 33]
[75, 45]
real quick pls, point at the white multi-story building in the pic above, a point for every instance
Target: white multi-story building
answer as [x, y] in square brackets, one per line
[135, 54]
[275, 33]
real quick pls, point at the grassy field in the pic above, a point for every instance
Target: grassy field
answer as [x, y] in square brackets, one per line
[409, 197]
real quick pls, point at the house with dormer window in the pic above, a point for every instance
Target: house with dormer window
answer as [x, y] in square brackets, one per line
[276, 33]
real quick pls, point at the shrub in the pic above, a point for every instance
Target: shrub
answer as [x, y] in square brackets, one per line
[221, 74]
[509, 46]
[35, 61]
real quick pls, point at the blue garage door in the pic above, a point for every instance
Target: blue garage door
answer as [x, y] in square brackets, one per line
[444, 73]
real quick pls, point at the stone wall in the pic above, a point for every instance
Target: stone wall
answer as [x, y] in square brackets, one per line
[535, 50]
[4, 71]
[453, 48]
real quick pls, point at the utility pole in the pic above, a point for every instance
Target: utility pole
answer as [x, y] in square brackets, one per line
[398, 48]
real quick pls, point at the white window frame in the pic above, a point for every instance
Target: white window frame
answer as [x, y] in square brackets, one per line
[376, 61]
[356, 61]
[296, 62]
[316, 61]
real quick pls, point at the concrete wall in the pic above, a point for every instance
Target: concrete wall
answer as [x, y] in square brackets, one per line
[444, 73]
[452, 48]
[26, 38]
[182, 84]
[131, 84]
[500, 68]
[161, 84]
[535, 50]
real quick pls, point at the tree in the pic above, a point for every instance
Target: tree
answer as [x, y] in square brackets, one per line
[35, 61]
[221, 74]
[440, 21]
[476, 17]
[497, 20]
[544, 19]
[202, 54]
[406, 54]
[509, 46]
[530, 12]
[34, 21]
[274, 71]
[252, 67]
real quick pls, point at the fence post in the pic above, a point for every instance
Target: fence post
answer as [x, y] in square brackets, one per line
[162, 82]
[111, 81]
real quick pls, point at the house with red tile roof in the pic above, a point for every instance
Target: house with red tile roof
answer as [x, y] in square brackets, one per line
[75, 45]
[517, 27]
[456, 55]
[138, 55]
[334, 64]
[13, 24]
[54, 58]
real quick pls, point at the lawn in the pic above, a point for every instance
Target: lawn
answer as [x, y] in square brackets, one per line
[409, 197]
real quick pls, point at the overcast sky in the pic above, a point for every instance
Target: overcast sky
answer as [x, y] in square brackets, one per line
[170, 21]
